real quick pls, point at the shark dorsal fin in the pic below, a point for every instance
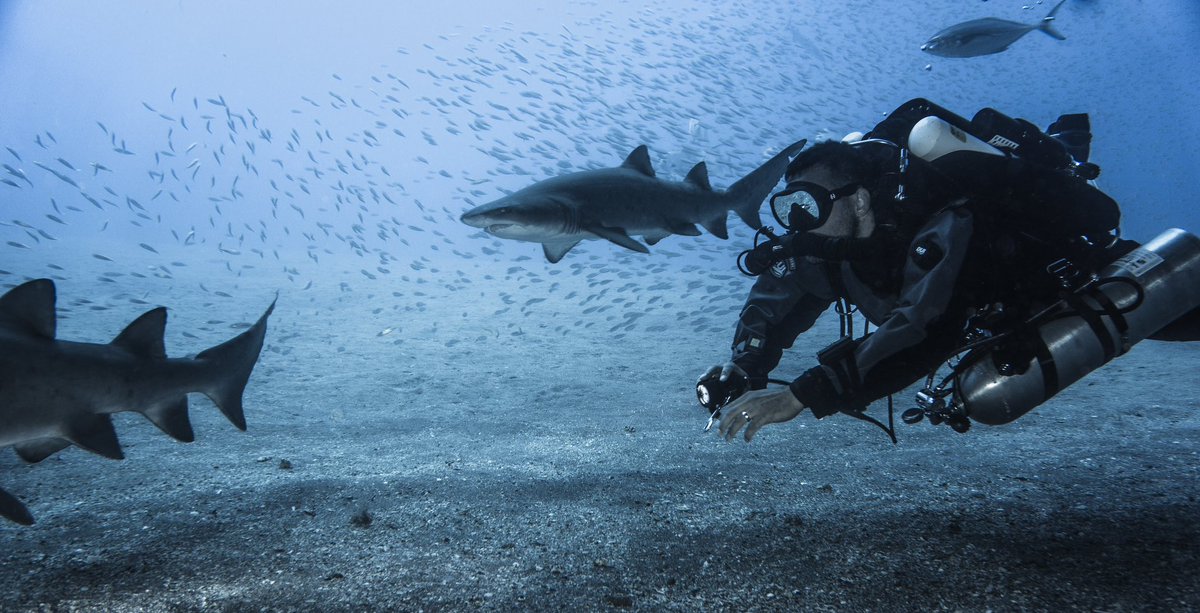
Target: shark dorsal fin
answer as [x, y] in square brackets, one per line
[698, 176]
[144, 337]
[639, 160]
[29, 309]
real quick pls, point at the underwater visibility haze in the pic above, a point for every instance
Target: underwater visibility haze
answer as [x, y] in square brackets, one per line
[447, 415]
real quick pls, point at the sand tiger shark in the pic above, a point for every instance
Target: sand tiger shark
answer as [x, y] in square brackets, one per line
[615, 203]
[56, 393]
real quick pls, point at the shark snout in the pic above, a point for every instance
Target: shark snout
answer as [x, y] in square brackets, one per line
[473, 219]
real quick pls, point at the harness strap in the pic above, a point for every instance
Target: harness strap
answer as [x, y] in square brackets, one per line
[1092, 318]
[1115, 316]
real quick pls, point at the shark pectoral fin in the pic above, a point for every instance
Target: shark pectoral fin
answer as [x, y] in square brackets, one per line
[698, 176]
[716, 226]
[39, 449]
[639, 160]
[555, 251]
[95, 433]
[685, 229]
[618, 236]
[172, 419]
[231, 363]
[29, 309]
[12, 509]
[144, 336]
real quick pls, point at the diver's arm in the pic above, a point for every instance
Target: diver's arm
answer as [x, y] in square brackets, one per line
[883, 363]
[776, 312]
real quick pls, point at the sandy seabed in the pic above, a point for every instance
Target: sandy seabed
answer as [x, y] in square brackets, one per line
[424, 452]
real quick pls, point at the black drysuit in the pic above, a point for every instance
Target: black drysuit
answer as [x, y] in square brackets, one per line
[907, 290]
[919, 294]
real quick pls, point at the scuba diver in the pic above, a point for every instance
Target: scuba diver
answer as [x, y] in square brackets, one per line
[982, 245]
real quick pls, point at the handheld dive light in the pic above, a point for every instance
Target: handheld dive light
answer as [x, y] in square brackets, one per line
[713, 394]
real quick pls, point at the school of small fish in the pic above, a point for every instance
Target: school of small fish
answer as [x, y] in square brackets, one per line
[349, 174]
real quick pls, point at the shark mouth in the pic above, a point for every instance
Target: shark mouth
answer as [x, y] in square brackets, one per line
[496, 227]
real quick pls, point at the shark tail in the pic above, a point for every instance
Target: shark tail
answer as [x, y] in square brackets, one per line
[12, 509]
[1047, 24]
[749, 192]
[232, 362]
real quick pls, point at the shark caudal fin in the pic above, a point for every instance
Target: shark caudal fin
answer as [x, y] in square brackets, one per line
[1047, 24]
[231, 364]
[748, 194]
[13, 510]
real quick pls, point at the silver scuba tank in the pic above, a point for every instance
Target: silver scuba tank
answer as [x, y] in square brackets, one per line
[1167, 269]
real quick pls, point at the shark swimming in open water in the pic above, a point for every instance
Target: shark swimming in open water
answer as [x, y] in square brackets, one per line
[986, 36]
[617, 203]
[55, 393]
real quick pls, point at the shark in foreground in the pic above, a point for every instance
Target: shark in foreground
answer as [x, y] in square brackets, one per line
[56, 393]
[986, 36]
[615, 203]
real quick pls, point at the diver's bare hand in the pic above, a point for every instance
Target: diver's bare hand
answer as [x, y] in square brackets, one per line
[726, 369]
[757, 409]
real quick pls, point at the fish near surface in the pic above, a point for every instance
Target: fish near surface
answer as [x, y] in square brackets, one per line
[55, 393]
[616, 203]
[986, 36]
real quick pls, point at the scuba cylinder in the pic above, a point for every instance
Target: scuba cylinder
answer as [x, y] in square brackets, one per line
[1134, 297]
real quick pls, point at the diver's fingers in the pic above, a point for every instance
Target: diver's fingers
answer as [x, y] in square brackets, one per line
[740, 419]
[726, 370]
[708, 373]
[731, 412]
[755, 426]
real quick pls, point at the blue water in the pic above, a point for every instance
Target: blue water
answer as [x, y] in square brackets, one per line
[210, 155]
[467, 99]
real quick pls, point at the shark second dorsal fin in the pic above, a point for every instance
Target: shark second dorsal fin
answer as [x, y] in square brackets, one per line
[29, 309]
[698, 176]
[639, 160]
[95, 433]
[144, 336]
[39, 449]
[12, 509]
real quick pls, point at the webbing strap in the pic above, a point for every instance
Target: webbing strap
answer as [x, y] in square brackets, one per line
[1092, 318]
[1046, 363]
[1114, 314]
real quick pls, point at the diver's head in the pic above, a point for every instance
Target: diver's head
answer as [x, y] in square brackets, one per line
[828, 191]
